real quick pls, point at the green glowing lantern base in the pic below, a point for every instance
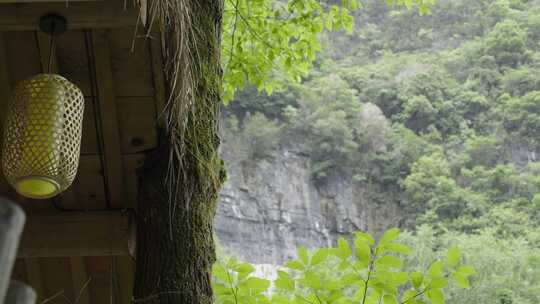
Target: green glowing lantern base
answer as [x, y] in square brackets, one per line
[37, 187]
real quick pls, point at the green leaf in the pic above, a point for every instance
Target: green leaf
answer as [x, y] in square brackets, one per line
[408, 295]
[335, 296]
[466, 271]
[362, 250]
[312, 280]
[332, 285]
[384, 288]
[436, 269]
[328, 23]
[416, 279]
[280, 299]
[398, 278]
[366, 237]
[221, 290]
[303, 255]
[389, 236]
[460, 280]
[453, 257]
[350, 278]
[348, 22]
[295, 265]
[389, 299]
[396, 248]
[389, 262]
[344, 265]
[219, 272]
[359, 265]
[374, 297]
[393, 279]
[285, 281]
[439, 282]
[359, 294]
[343, 251]
[354, 5]
[244, 270]
[436, 296]
[320, 256]
[256, 285]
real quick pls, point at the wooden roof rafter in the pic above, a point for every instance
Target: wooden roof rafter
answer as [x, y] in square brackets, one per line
[110, 134]
[103, 233]
[129, 91]
[81, 15]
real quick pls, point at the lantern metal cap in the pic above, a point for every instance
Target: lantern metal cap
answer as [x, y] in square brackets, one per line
[53, 24]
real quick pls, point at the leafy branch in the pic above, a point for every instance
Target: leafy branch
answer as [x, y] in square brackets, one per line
[330, 275]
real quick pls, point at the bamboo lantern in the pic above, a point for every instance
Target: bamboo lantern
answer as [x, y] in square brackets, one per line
[42, 136]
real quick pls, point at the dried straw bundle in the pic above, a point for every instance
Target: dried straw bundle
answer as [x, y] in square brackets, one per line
[190, 49]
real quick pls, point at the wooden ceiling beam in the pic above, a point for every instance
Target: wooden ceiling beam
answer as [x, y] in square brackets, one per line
[37, 1]
[125, 269]
[34, 277]
[80, 15]
[71, 234]
[81, 280]
[114, 171]
[5, 86]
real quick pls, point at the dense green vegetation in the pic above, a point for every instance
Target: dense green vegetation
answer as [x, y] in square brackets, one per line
[268, 44]
[372, 273]
[443, 109]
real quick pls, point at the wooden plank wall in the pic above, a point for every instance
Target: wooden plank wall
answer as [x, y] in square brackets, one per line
[120, 112]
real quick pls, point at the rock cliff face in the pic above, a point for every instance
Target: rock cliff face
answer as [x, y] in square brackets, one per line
[270, 207]
[522, 154]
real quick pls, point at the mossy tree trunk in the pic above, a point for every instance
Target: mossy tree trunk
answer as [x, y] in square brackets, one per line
[175, 246]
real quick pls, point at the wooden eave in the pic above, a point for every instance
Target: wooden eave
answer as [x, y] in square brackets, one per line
[76, 246]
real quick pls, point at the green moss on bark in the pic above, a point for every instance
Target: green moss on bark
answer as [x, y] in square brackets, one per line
[175, 246]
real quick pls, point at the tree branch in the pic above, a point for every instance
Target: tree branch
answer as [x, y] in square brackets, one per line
[416, 296]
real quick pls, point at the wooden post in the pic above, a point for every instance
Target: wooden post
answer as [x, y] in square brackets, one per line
[11, 225]
[20, 293]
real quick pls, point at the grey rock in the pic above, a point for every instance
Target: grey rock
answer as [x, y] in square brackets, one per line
[269, 208]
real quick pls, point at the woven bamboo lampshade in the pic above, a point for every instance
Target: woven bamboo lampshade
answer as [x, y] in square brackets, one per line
[42, 136]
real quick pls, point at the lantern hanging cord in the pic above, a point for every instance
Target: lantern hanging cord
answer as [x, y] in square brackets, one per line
[51, 47]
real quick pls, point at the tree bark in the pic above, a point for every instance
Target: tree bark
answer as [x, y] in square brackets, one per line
[175, 245]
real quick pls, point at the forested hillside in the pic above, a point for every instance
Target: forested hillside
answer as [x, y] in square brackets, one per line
[441, 115]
